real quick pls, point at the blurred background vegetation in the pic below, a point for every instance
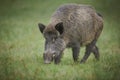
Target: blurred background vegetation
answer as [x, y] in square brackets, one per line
[22, 45]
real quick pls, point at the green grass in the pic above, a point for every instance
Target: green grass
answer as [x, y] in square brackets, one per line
[22, 45]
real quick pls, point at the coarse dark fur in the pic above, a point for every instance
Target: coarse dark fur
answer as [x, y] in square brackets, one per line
[74, 26]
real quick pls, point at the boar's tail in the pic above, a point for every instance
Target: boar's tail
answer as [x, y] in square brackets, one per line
[99, 15]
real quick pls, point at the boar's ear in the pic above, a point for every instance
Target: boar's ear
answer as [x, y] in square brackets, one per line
[59, 27]
[41, 27]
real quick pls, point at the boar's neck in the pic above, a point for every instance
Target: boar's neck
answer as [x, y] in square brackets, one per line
[54, 21]
[66, 40]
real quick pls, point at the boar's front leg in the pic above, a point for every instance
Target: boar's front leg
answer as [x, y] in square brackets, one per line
[57, 58]
[76, 50]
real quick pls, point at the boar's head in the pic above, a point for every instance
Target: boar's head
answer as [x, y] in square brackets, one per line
[54, 43]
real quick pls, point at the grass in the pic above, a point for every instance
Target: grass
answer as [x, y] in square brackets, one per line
[22, 45]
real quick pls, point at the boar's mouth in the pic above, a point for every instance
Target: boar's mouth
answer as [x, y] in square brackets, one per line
[46, 61]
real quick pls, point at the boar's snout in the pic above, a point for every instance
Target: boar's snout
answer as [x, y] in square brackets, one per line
[47, 62]
[48, 57]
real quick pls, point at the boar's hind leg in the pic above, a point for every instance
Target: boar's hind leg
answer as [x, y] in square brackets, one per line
[75, 51]
[96, 52]
[90, 48]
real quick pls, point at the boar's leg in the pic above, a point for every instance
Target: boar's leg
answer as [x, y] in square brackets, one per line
[87, 53]
[95, 51]
[90, 48]
[57, 58]
[75, 51]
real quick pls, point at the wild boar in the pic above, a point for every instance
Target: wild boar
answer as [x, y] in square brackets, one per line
[73, 26]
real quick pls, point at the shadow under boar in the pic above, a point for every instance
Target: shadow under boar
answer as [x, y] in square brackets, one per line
[74, 26]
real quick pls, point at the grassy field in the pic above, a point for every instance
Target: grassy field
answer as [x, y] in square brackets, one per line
[22, 45]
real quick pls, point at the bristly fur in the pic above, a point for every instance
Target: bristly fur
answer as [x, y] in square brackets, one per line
[78, 21]
[81, 26]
